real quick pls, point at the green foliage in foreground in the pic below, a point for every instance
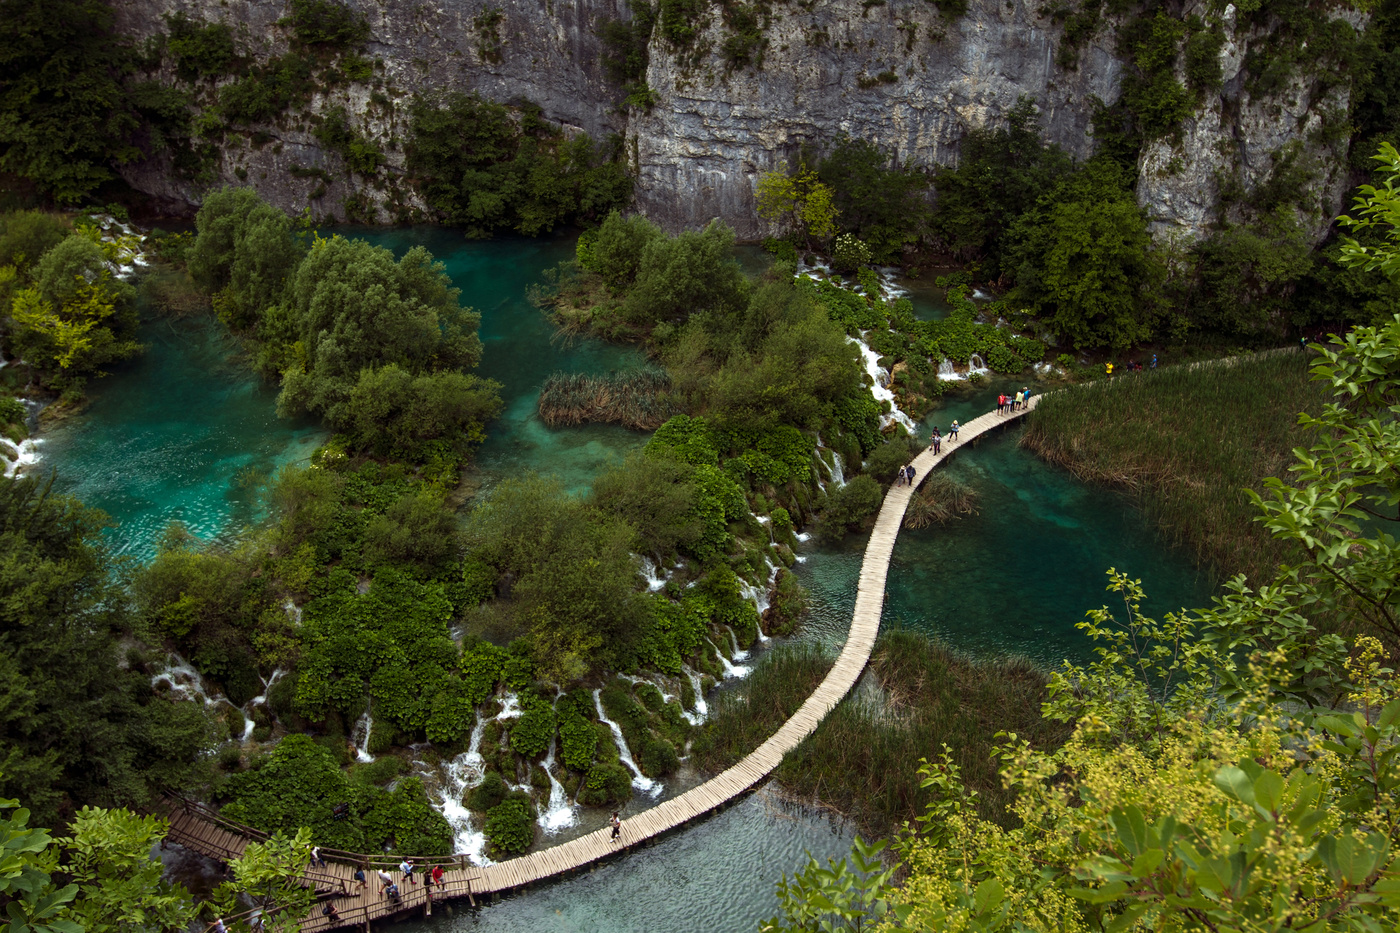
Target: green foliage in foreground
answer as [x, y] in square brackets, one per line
[299, 782]
[480, 167]
[510, 826]
[110, 883]
[1188, 441]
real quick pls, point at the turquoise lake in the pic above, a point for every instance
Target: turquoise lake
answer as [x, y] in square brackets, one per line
[187, 432]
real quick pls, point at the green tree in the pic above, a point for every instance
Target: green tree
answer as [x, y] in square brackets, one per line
[682, 275]
[1082, 261]
[64, 117]
[63, 695]
[800, 200]
[245, 253]
[882, 202]
[1378, 209]
[270, 874]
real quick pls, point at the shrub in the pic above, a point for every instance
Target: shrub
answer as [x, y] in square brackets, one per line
[510, 826]
[849, 505]
[488, 794]
[534, 730]
[606, 785]
[658, 758]
[849, 253]
[326, 23]
[578, 740]
[199, 50]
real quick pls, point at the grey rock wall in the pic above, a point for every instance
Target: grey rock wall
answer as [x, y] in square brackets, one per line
[698, 151]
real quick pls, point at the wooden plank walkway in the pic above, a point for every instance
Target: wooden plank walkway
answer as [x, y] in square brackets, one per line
[335, 883]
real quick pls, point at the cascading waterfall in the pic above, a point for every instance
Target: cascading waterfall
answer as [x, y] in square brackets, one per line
[739, 654]
[639, 780]
[26, 454]
[730, 670]
[460, 775]
[559, 814]
[975, 364]
[261, 700]
[946, 370]
[359, 737]
[702, 709]
[881, 392]
[184, 681]
[654, 576]
[293, 611]
[838, 470]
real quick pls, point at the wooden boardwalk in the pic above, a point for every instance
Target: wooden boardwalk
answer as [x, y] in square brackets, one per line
[199, 829]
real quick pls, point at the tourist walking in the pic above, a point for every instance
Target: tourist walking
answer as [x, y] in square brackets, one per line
[406, 866]
[953, 432]
[1025, 397]
[909, 474]
[316, 857]
[437, 875]
[360, 877]
[331, 913]
[393, 892]
[1001, 404]
[1154, 361]
[936, 442]
[1108, 369]
[385, 882]
[616, 824]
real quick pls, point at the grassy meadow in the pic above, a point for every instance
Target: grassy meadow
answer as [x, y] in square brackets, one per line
[1188, 441]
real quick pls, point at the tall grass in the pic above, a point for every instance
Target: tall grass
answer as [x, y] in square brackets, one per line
[939, 500]
[1188, 441]
[638, 399]
[863, 759]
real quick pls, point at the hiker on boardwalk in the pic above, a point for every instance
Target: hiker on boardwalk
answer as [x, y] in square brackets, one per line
[1154, 361]
[360, 877]
[406, 866]
[1001, 404]
[935, 443]
[384, 881]
[436, 874]
[316, 859]
[616, 824]
[953, 431]
[1108, 369]
[393, 892]
[331, 913]
[910, 473]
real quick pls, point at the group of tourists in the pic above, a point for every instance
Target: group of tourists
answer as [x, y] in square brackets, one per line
[905, 476]
[1009, 403]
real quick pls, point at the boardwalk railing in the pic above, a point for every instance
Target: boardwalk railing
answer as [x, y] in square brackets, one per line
[201, 829]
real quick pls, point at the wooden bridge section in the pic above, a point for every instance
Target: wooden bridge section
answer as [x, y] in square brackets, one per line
[204, 831]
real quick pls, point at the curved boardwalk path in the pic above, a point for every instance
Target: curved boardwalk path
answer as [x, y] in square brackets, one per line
[200, 829]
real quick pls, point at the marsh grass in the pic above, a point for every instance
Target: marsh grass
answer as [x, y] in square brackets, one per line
[863, 759]
[940, 500]
[639, 399]
[1188, 441]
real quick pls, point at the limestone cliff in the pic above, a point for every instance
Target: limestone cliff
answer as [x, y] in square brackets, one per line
[893, 72]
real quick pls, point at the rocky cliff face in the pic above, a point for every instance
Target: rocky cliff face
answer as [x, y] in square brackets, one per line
[894, 73]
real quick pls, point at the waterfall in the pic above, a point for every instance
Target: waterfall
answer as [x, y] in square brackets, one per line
[946, 370]
[653, 575]
[804, 537]
[639, 780]
[359, 737]
[838, 470]
[559, 813]
[184, 681]
[702, 709]
[738, 654]
[730, 670]
[976, 364]
[881, 392]
[460, 775]
[26, 454]
[261, 700]
[293, 611]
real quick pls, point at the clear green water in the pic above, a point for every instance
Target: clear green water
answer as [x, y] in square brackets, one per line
[181, 434]
[174, 435]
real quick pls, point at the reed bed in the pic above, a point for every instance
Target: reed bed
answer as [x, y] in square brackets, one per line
[1188, 441]
[938, 501]
[863, 759]
[639, 399]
